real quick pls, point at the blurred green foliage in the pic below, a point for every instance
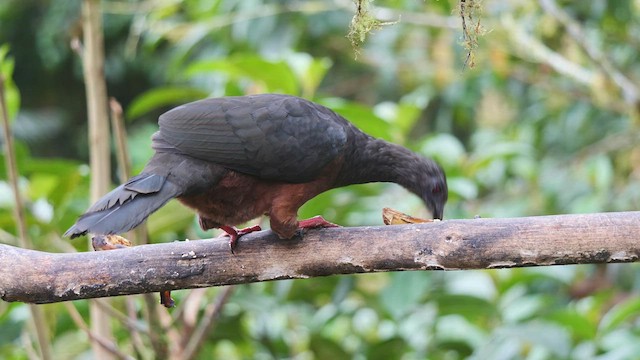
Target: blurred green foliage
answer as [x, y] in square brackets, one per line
[537, 127]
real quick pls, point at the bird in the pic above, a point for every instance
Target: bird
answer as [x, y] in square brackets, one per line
[233, 159]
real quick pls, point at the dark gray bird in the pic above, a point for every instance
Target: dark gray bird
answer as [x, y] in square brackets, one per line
[233, 159]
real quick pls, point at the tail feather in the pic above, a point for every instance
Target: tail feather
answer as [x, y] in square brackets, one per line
[126, 206]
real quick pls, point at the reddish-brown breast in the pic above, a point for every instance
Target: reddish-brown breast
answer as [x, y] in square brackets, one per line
[238, 198]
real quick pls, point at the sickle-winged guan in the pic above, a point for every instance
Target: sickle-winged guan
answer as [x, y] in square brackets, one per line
[233, 159]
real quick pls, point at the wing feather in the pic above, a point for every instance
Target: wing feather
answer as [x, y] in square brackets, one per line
[275, 137]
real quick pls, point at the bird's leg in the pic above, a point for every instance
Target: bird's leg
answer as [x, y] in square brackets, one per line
[315, 222]
[234, 234]
[166, 300]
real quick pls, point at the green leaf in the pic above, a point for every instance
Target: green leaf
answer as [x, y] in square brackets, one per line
[599, 172]
[444, 148]
[462, 187]
[163, 96]
[314, 75]
[309, 71]
[275, 76]
[508, 341]
[388, 349]
[12, 95]
[404, 292]
[501, 150]
[362, 117]
[577, 323]
[628, 310]
[324, 348]
[470, 307]
[41, 185]
[454, 331]
[402, 115]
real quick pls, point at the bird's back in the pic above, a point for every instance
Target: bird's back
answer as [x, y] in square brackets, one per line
[273, 137]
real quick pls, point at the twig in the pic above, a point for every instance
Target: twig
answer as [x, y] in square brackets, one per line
[124, 165]
[120, 136]
[172, 334]
[537, 50]
[187, 312]
[40, 323]
[630, 90]
[150, 311]
[28, 345]
[12, 170]
[415, 18]
[138, 344]
[206, 324]
[95, 338]
[93, 66]
[130, 324]
[95, 86]
[447, 245]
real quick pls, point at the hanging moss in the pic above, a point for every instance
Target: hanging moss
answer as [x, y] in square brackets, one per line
[470, 14]
[362, 24]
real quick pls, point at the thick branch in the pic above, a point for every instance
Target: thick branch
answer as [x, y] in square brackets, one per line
[39, 277]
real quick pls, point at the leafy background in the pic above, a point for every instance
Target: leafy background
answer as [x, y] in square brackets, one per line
[541, 125]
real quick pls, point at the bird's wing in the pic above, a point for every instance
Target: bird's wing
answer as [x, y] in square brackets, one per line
[275, 137]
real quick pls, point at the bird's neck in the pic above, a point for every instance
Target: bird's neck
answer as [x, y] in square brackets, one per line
[375, 160]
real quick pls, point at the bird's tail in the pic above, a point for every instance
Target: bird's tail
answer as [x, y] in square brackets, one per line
[126, 206]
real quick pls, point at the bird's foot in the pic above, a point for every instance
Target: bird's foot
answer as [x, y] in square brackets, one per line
[166, 300]
[234, 234]
[315, 222]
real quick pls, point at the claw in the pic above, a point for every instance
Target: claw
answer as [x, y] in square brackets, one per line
[316, 222]
[234, 234]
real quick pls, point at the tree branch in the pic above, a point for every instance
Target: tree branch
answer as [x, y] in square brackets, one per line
[38, 277]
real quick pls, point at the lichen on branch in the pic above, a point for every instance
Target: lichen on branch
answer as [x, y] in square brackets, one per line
[470, 14]
[362, 24]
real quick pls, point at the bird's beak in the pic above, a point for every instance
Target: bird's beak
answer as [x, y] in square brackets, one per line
[438, 212]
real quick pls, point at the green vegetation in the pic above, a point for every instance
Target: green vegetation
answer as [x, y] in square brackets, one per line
[546, 122]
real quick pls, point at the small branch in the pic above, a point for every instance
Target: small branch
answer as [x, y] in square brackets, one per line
[37, 315]
[120, 136]
[12, 170]
[96, 92]
[532, 48]
[630, 91]
[99, 155]
[107, 345]
[40, 277]
[206, 324]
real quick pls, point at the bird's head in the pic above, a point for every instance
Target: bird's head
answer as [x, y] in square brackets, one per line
[435, 193]
[378, 160]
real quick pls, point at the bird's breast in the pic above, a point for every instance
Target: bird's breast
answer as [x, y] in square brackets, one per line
[238, 198]
[235, 199]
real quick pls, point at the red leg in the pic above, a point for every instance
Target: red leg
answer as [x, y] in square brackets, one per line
[315, 222]
[166, 300]
[234, 233]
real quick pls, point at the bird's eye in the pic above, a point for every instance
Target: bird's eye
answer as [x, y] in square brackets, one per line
[436, 189]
